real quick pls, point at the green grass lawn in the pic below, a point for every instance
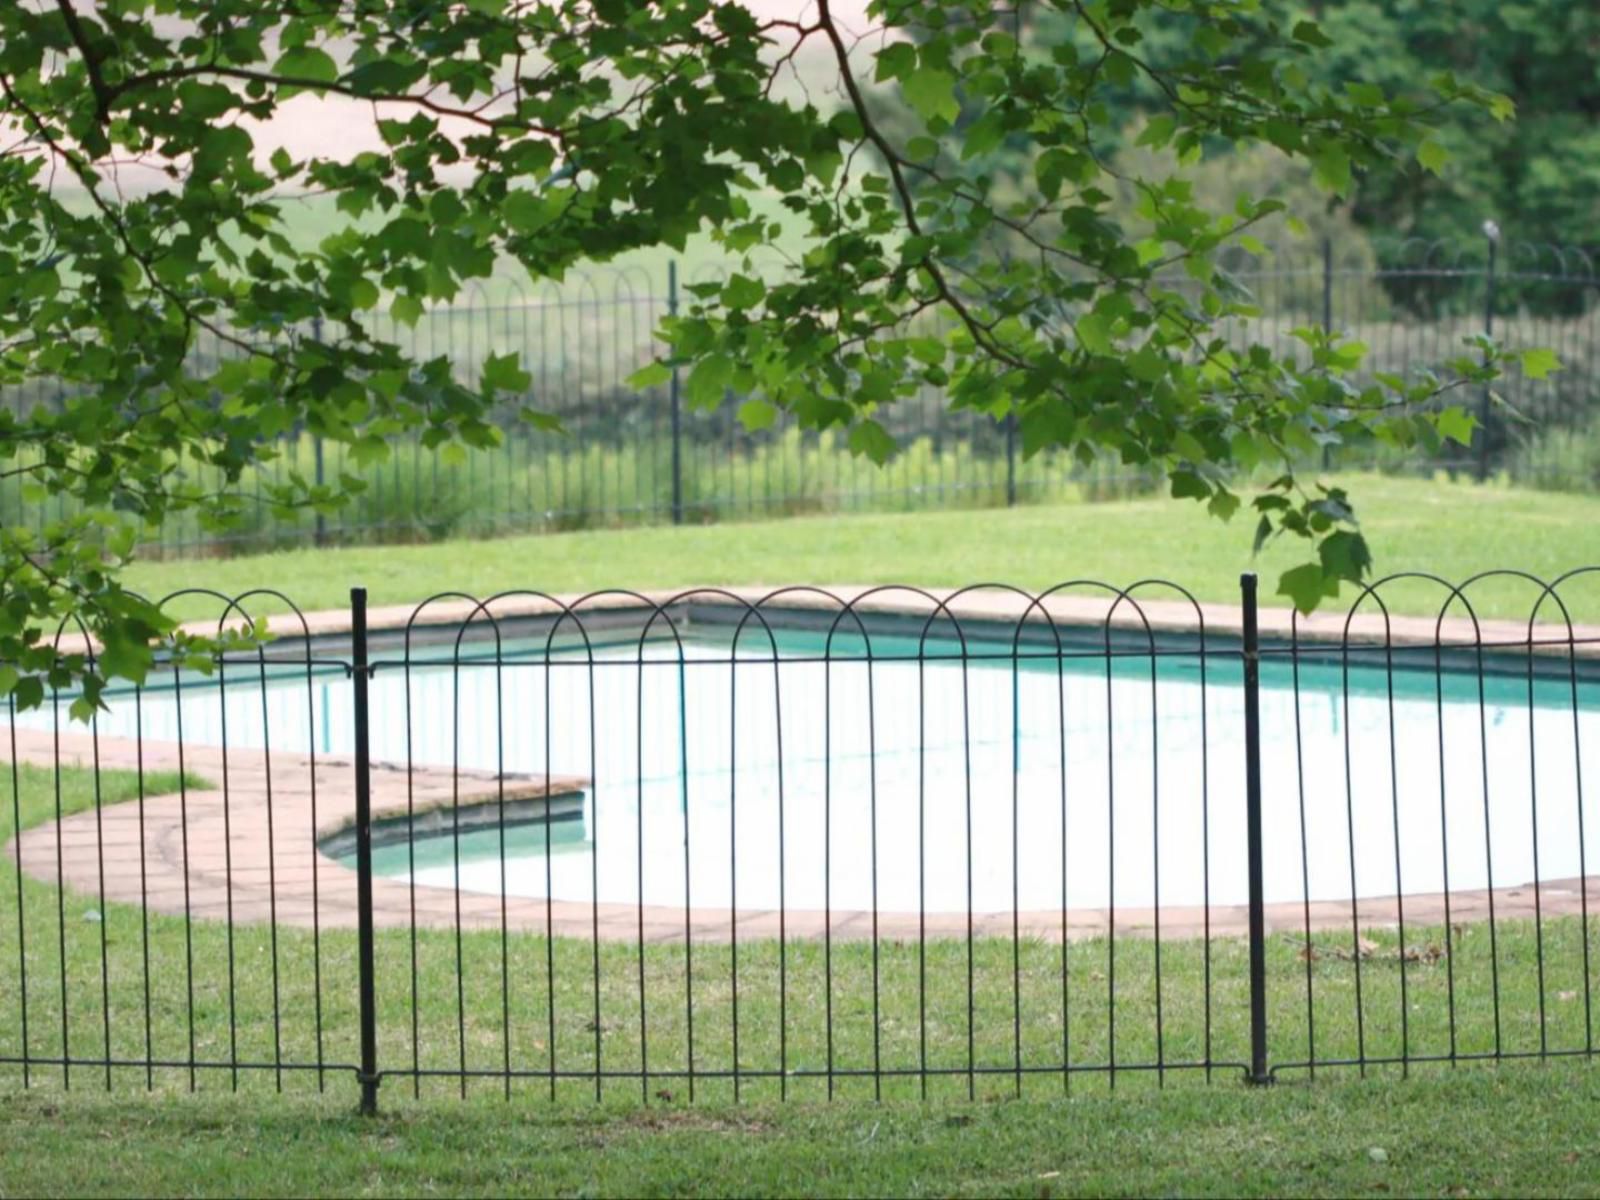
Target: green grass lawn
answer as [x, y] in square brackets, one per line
[1450, 530]
[1502, 1132]
[1465, 1130]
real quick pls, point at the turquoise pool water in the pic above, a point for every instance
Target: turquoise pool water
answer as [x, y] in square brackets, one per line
[911, 785]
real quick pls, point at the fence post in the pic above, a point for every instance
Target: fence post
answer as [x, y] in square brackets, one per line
[1488, 330]
[1327, 318]
[677, 403]
[322, 520]
[1011, 459]
[316, 446]
[1252, 777]
[369, 1011]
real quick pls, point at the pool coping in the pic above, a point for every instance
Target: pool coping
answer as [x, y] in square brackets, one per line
[1129, 612]
[253, 853]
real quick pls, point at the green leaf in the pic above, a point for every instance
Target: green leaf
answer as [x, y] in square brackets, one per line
[368, 451]
[220, 147]
[1223, 504]
[1307, 586]
[406, 309]
[983, 135]
[504, 373]
[527, 213]
[363, 294]
[872, 440]
[1189, 446]
[1456, 424]
[1538, 362]
[705, 385]
[1094, 332]
[1211, 41]
[543, 421]
[29, 692]
[932, 93]
[1120, 68]
[125, 658]
[1158, 131]
[895, 61]
[1311, 34]
[846, 123]
[756, 415]
[1432, 156]
[205, 101]
[1331, 168]
[307, 62]
[742, 292]
[1264, 533]
[1344, 555]
[652, 375]
[1186, 485]
[1149, 250]
[1368, 95]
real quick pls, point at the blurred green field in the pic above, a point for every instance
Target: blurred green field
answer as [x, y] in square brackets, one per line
[1452, 530]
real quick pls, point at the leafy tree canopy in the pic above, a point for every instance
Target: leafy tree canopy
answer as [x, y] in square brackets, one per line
[1538, 178]
[559, 131]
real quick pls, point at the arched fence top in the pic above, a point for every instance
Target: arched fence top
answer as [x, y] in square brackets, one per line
[1148, 617]
[1515, 259]
[1392, 258]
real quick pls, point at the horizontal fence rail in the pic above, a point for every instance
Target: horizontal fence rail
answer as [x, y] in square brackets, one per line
[883, 843]
[630, 457]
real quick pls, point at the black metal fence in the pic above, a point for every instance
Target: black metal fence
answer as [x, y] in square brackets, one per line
[628, 457]
[803, 844]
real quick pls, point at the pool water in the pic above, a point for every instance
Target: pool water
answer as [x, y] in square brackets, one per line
[992, 783]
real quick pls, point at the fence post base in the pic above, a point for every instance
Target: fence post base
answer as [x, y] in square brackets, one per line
[369, 1094]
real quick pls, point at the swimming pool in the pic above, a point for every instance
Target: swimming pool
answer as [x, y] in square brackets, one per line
[928, 780]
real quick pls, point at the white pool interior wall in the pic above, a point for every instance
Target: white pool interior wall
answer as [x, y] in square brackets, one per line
[939, 786]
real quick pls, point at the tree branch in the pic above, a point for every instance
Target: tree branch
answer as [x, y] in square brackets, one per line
[980, 332]
[91, 60]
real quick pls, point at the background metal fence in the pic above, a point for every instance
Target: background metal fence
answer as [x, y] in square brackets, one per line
[889, 843]
[628, 457]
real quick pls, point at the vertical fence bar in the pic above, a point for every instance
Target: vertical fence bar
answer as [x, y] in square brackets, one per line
[675, 391]
[1252, 776]
[369, 1009]
[1488, 330]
